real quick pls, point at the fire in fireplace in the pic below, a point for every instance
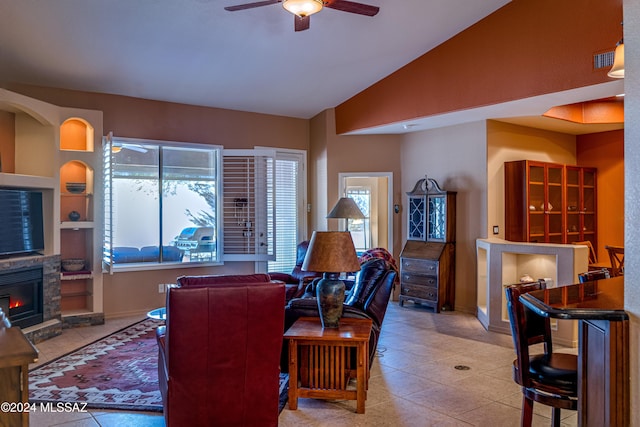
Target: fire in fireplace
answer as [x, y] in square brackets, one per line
[21, 296]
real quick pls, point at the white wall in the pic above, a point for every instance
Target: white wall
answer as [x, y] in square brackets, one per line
[632, 194]
[456, 158]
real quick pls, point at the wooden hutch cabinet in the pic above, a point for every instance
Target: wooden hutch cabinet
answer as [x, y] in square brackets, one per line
[427, 261]
[549, 202]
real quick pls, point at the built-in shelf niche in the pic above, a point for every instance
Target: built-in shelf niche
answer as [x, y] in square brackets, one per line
[516, 266]
[76, 171]
[76, 135]
[501, 263]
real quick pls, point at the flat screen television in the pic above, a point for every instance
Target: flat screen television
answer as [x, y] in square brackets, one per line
[21, 222]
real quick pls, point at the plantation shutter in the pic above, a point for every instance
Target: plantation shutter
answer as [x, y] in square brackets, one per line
[248, 185]
[107, 165]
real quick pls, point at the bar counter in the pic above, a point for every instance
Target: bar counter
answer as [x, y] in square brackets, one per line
[603, 345]
[597, 300]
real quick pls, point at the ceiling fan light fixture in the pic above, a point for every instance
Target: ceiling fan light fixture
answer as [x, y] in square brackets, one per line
[302, 8]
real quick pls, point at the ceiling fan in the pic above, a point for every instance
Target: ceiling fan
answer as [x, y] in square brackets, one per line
[303, 9]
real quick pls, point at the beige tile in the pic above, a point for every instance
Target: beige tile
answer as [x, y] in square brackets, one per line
[449, 400]
[49, 418]
[498, 415]
[413, 380]
[119, 419]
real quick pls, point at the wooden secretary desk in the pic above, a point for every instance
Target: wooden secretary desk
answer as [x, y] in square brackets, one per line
[427, 261]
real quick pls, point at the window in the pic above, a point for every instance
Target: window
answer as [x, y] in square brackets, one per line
[161, 202]
[360, 228]
[290, 220]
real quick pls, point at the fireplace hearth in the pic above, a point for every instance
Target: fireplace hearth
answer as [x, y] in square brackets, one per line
[21, 296]
[34, 304]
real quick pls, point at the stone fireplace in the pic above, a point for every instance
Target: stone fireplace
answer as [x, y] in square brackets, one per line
[30, 294]
[21, 296]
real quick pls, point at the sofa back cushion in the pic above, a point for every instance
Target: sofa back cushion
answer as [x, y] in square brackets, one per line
[367, 279]
[186, 281]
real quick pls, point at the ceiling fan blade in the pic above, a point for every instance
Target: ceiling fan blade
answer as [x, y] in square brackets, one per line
[251, 5]
[352, 7]
[301, 24]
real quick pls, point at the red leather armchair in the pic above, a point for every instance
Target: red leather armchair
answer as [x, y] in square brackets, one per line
[297, 280]
[219, 352]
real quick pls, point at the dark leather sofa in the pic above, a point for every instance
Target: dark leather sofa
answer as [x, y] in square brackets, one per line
[219, 352]
[297, 280]
[368, 298]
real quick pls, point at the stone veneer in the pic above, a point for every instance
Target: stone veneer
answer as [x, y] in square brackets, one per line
[51, 311]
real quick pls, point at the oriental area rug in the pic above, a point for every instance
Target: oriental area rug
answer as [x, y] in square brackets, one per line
[119, 371]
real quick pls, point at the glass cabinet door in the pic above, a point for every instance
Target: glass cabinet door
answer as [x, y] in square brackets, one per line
[416, 223]
[545, 192]
[554, 204]
[581, 204]
[437, 219]
[536, 204]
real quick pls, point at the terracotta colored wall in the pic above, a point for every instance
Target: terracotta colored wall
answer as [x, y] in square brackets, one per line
[141, 118]
[605, 151]
[526, 48]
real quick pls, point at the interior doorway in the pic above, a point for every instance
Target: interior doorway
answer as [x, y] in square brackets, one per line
[373, 192]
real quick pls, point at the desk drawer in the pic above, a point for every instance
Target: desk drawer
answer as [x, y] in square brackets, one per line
[417, 279]
[429, 293]
[425, 266]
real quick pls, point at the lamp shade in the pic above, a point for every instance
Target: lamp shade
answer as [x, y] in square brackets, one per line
[346, 208]
[302, 8]
[331, 251]
[617, 70]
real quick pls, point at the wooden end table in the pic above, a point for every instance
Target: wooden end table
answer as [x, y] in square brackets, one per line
[320, 360]
[16, 352]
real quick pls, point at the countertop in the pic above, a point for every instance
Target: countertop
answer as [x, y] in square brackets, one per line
[597, 300]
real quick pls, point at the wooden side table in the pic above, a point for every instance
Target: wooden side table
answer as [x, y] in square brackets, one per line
[320, 360]
[16, 352]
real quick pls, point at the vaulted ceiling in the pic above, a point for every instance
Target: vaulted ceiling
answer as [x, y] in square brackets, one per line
[195, 52]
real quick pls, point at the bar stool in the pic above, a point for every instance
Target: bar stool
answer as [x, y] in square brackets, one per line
[548, 378]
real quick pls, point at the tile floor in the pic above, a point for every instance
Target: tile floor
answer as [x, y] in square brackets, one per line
[413, 381]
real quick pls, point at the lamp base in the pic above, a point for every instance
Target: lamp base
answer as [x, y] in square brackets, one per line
[330, 296]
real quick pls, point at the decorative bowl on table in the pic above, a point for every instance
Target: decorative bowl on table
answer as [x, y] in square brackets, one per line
[73, 264]
[75, 187]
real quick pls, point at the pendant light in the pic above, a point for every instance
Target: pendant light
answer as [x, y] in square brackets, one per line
[617, 70]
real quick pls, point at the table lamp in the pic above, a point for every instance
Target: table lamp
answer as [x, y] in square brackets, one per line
[331, 252]
[346, 208]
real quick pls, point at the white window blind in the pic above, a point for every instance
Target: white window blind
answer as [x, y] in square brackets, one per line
[288, 212]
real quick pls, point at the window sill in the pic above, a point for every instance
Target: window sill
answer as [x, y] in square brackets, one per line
[124, 268]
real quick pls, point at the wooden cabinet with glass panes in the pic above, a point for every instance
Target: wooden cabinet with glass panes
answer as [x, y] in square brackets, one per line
[427, 261]
[534, 202]
[549, 202]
